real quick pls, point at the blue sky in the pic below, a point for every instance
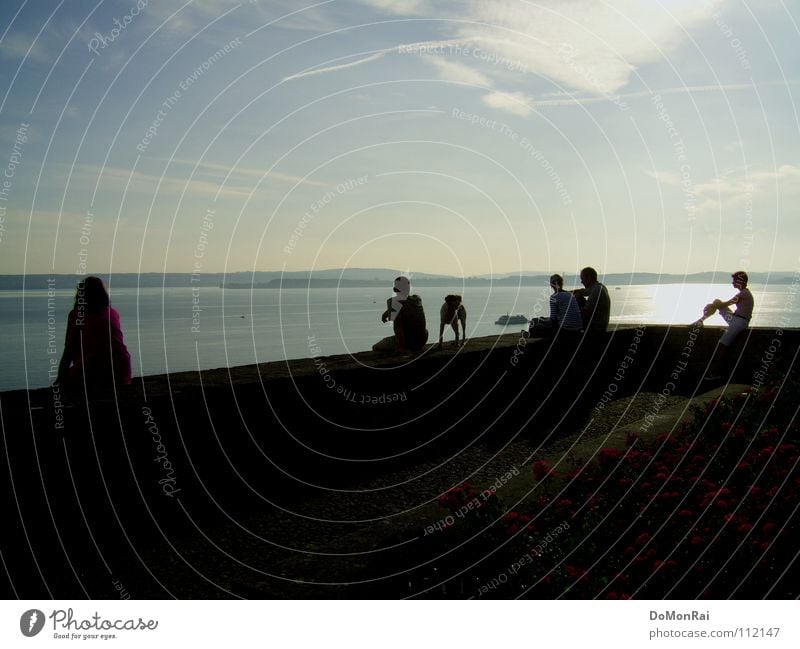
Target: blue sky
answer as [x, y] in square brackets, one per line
[459, 137]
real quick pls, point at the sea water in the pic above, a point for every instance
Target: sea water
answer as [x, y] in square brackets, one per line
[180, 329]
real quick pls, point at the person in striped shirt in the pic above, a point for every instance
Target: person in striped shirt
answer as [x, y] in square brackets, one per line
[565, 314]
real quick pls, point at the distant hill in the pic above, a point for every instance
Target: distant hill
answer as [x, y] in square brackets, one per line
[360, 277]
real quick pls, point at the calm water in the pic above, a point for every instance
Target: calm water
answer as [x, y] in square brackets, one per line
[239, 327]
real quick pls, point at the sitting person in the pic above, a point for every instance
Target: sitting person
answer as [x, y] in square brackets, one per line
[737, 320]
[594, 302]
[565, 315]
[451, 313]
[94, 350]
[408, 318]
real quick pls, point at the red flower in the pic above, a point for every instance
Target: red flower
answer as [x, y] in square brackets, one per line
[541, 470]
[564, 503]
[608, 457]
[769, 530]
[643, 538]
[685, 513]
[696, 540]
[744, 528]
[574, 572]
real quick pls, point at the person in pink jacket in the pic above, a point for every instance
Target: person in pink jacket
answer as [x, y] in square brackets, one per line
[94, 349]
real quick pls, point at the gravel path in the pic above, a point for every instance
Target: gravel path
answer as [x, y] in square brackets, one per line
[266, 553]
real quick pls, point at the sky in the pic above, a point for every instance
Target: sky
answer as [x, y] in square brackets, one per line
[457, 137]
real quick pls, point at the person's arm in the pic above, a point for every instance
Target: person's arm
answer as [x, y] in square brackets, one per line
[400, 332]
[121, 357]
[554, 310]
[719, 304]
[734, 300]
[386, 315]
[71, 347]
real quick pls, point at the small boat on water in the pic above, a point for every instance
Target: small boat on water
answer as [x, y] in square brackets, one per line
[511, 319]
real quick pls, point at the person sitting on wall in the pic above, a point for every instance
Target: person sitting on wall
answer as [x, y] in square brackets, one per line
[737, 320]
[407, 315]
[94, 349]
[451, 313]
[594, 302]
[565, 314]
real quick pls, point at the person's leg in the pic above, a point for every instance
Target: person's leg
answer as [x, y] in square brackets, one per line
[726, 314]
[385, 345]
[722, 355]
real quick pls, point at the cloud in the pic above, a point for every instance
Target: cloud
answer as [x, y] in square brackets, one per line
[117, 179]
[511, 102]
[17, 45]
[402, 7]
[732, 192]
[212, 169]
[583, 45]
[334, 68]
[458, 72]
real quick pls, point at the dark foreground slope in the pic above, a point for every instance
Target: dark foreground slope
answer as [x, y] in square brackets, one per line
[137, 489]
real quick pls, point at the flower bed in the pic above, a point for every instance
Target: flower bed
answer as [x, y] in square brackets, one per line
[708, 509]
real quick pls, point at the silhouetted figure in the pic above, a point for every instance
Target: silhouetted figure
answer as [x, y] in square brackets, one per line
[594, 302]
[565, 314]
[94, 349]
[451, 313]
[408, 318]
[737, 321]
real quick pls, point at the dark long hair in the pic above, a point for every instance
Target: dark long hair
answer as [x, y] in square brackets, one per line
[91, 295]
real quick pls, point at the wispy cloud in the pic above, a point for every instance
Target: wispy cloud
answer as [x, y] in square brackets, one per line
[117, 178]
[516, 103]
[210, 168]
[18, 46]
[583, 45]
[334, 68]
[459, 73]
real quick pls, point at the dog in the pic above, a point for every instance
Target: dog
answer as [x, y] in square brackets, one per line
[451, 313]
